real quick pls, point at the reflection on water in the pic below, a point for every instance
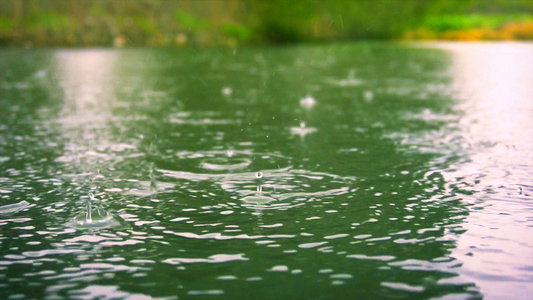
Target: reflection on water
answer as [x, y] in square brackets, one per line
[365, 171]
[13, 208]
[496, 96]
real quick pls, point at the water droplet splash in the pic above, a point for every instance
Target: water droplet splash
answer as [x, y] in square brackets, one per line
[93, 216]
[308, 102]
[302, 130]
[259, 199]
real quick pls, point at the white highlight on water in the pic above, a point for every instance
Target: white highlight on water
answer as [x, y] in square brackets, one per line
[303, 130]
[368, 95]
[227, 91]
[308, 102]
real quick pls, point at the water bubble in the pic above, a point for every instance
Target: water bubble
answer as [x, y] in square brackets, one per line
[259, 175]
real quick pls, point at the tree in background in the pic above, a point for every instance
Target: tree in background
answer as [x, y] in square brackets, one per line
[234, 22]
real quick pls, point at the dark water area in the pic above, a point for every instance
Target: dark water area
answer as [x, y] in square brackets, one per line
[358, 171]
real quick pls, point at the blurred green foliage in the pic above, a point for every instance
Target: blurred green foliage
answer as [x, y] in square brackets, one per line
[191, 22]
[234, 22]
[443, 23]
[236, 31]
[6, 24]
[50, 20]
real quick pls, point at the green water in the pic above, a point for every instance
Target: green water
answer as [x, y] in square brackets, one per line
[387, 171]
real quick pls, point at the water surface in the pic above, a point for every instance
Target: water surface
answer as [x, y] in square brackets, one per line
[386, 171]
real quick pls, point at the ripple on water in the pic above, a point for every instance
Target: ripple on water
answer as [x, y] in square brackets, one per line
[280, 188]
[403, 287]
[222, 161]
[104, 292]
[231, 162]
[13, 208]
[200, 118]
[217, 258]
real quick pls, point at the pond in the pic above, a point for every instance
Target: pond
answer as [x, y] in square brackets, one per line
[344, 171]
